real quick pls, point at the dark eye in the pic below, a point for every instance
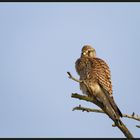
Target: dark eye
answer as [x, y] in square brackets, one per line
[90, 51]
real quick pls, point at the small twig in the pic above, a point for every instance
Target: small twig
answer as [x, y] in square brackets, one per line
[132, 117]
[114, 125]
[87, 109]
[71, 77]
[101, 111]
[133, 114]
[138, 126]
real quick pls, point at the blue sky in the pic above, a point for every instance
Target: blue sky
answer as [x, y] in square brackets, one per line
[40, 42]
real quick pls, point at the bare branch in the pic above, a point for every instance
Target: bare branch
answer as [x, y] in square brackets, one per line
[101, 111]
[132, 117]
[120, 125]
[86, 98]
[87, 109]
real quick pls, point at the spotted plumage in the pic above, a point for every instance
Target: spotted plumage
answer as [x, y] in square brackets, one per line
[96, 74]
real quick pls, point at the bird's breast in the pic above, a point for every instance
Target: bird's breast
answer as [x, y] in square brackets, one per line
[95, 87]
[90, 88]
[82, 68]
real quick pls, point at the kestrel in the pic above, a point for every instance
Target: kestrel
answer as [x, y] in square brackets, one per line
[97, 80]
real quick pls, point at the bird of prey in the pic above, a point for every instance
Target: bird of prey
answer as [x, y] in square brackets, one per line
[97, 81]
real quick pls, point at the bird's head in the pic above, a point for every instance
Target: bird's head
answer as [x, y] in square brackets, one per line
[88, 51]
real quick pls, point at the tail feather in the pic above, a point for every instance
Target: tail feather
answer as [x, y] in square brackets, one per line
[115, 107]
[113, 104]
[120, 113]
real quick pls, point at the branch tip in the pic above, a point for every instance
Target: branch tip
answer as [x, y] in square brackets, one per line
[69, 74]
[138, 126]
[133, 114]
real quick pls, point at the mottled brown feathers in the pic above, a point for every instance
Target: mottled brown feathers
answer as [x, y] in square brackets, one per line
[95, 71]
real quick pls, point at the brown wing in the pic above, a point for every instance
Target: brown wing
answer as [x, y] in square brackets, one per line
[78, 66]
[102, 71]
